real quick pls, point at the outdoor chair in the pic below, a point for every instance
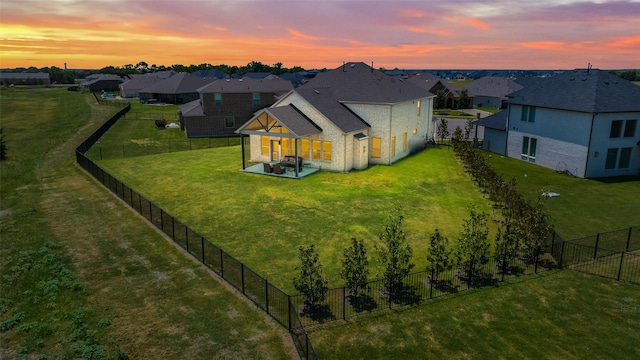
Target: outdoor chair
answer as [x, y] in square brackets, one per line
[278, 169]
[267, 168]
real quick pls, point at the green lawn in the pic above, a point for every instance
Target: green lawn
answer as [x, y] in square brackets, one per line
[81, 275]
[239, 211]
[557, 315]
[584, 207]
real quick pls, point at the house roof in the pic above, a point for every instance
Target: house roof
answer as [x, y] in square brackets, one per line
[592, 91]
[181, 83]
[102, 77]
[142, 81]
[492, 86]
[358, 82]
[496, 121]
[427, 80]
[192, 108]
[325, 100]
[298, 124]
[38, 75]
[271, 84]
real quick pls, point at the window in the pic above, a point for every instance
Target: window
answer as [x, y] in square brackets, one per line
[256, 99]
[286, 146]
[418, 108]
[616, 129]
[316, 149]
[623, 161]
[625, 158]
[229, 121]
[404, 142]
[630, 128]
[528, 113]
[375, 147]
[305, 148]
[612, 157]
[393, 146]
[265, 145]
[217, 97]
[529, 146]
[326, 147]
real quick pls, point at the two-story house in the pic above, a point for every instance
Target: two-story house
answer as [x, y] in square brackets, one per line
[225, 104]
[346, 118]
[584, 122]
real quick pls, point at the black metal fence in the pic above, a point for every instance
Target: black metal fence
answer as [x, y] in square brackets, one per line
[266, 296]
[607, 254]
[163, 147]
[614, 254]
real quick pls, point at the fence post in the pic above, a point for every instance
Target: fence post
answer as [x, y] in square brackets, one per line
[595, 250]
[628, 239]
[242, 276]
[202, 247]
[266, 295]
[140, 204]
[289, 298]
[469, 274]
[535, 269]
[173, 228]
[620, 268]
[186, 236]
[344, 301]
[431, 282]
[150, 213]
[161, 219]
[221, 265]
[561, 254]
[504, 264]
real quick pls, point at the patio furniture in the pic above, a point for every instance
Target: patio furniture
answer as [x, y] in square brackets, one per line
[267, 168]
[290, 161]
[278, 169]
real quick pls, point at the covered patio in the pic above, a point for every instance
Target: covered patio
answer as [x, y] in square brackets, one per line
[278, 131]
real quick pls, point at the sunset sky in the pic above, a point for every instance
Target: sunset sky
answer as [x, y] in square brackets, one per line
[453, 34]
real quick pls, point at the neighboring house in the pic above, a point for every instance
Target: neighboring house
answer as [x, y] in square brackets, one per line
[225, 104]
[490, 91]
[344, 119]
[38, 78]
[211, 73]
[433, 84]
[131, 88]
[180, 88]
[102, 82]
[495, 134]
[583, 121]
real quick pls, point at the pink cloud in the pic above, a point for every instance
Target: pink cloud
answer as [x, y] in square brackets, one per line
[477, 23]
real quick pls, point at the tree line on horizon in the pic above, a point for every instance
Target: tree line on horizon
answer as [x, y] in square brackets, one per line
[69, 76]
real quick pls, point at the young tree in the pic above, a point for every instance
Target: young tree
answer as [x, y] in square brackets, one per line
[456, 138]
[467, 128]
[440, 101]
[354, 267]
[473, 244]
[439, 252]
[395, 254]
[463, 100]
[310, 280]
[443, 129]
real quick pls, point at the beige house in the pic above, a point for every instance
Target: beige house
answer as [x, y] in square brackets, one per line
[343, 119]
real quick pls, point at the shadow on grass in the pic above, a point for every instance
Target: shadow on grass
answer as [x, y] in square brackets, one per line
[362, 303]
[318, 312]
[617, 179]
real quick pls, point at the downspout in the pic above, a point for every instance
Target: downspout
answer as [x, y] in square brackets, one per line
[586, 164]
[506, 138]
[242, 146]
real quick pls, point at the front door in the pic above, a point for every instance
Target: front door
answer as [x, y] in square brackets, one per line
[275, 150]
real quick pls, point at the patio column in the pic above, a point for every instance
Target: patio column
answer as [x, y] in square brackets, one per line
[242, 147]
[295, 140]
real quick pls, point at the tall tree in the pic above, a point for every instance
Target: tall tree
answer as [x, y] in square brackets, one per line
[443, 129]
[439, 252]
[354, 267]
[440, 101]
[310, 280]
[395, 254]
[473, 244]
[463, 99]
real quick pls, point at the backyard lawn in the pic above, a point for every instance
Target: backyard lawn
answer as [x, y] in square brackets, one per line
[262, 220]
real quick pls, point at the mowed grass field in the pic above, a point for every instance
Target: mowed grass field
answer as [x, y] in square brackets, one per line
[82, 276]
[262, 220]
